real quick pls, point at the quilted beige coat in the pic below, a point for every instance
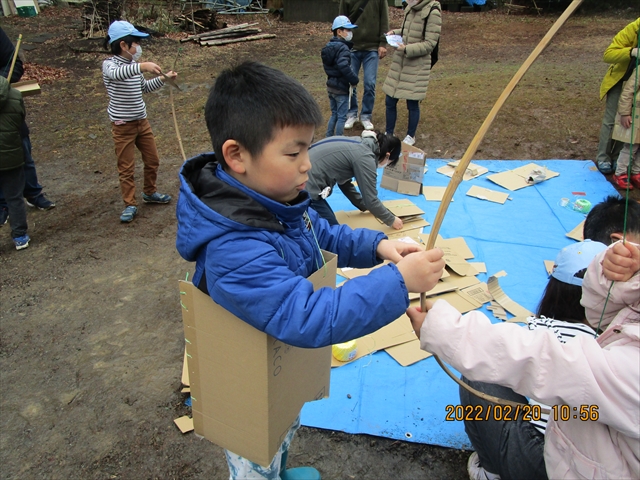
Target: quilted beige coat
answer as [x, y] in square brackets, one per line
[409, 72]
[625, 107]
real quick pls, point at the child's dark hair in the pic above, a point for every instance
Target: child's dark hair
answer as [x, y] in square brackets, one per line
[250, 101]
[115, 46]
[562, 301]
[608, 216]
[389, 144]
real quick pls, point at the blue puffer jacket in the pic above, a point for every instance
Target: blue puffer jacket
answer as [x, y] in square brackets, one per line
[256, 255]
[336, 60]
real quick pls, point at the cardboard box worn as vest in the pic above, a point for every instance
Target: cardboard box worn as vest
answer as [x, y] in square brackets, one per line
[406, 176]
[247, 387]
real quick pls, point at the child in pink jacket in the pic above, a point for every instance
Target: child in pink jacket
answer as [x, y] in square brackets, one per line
[592, 384]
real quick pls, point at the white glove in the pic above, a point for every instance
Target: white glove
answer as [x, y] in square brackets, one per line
[634, 52]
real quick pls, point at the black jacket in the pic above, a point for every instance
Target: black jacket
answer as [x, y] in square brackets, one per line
[336, 60]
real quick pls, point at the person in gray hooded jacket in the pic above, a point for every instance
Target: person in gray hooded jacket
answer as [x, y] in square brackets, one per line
[337, 160]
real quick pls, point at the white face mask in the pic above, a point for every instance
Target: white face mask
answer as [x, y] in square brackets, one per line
[136, 56]
[348, 36]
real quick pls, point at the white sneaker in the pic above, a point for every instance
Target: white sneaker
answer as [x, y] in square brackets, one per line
[349, 123]
[410, 141]
[476, 472]
[367, 124]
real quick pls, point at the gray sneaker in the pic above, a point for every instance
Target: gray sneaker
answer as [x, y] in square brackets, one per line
[128, 214]
[156, 198]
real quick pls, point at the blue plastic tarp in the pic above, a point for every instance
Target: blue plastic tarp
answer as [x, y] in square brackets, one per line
[377, 396]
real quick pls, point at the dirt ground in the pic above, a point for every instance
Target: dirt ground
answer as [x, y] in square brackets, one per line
[91, 336]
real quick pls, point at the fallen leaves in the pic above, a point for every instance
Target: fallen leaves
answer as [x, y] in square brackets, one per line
[43, 74]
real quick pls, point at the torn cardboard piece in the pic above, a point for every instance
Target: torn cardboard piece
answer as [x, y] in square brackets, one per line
[408, 353]
[434, 194]
[406, 175]
[358, 219]
[486, 194]
[498, 312]
[548, 266]
[470, 173]
[521, 177]
[185, 423]
[404, 209]
[459, 300]
[454, 246]
[501, 298]
[479, 266]
[480, 293]
[247, 388]
[578, 232]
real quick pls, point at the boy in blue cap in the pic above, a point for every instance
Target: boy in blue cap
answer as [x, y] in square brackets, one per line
[244, 218]
[336, 60]
[122, 75]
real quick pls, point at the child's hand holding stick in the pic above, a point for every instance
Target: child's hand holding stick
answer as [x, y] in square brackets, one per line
[621, 261]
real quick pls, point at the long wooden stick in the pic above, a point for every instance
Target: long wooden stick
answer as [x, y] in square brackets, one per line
[464, 163]
[173, 111]
[15, 57]
[473, 147]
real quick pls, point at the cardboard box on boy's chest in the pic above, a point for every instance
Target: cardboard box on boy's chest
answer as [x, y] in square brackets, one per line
[406, 176]
[247, 388]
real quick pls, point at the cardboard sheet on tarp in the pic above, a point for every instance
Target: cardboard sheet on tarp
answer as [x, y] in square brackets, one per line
[578, 232]
[358, 219]
[247, 388]
[389, 400]
[473, 170]
[524, 176]
[487, 194]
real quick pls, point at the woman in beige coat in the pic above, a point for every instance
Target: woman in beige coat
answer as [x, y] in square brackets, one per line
[408, 76]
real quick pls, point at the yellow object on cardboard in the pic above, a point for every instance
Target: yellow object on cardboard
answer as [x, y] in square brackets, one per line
[578, 232]
[486, 194]
[518, 177]
[406, 176]
[247, 388]
[471, 172]
[397, 332]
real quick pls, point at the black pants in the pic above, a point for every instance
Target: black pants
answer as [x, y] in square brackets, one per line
[512, 449]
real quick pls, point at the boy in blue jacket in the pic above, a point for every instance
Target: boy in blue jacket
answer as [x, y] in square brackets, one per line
[336, 60]
[244, 218]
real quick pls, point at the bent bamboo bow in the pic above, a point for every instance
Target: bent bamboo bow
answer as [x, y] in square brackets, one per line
[471, 150]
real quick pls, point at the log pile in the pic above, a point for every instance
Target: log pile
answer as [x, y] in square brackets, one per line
[245, 32]
[197, 21]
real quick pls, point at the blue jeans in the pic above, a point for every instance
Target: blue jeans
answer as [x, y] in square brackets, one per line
[339, 107]
[413, 106]
[608, 149]
[31, 187]
[369, 61]
[13, 183]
